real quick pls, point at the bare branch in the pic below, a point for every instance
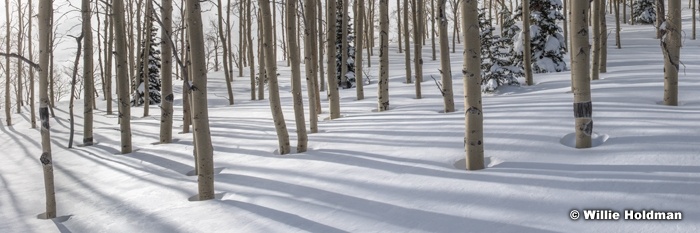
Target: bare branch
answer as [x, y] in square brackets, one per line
[24, 59]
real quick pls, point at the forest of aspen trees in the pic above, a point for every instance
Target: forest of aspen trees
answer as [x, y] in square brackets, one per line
[349, 116]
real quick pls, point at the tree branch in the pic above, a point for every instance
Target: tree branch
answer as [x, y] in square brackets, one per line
[30, 62]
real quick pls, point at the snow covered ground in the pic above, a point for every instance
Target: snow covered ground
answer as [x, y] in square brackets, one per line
[394, 171]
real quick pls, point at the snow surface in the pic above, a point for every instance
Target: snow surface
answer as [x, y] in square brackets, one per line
[394, 171]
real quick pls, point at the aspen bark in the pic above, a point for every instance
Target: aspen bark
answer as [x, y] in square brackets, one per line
[671, 48]
[618, 43]
[398, 20]
[309, 55]
[322, 79]
[432, 26]
[527, 44]
[166, 74]
[109, 41]
[45, 8]
[566, 28]
[407, 42]
[262, 78]
[359, 25]
[603, 39]
[146, 58]
[200, 113]
[122, 75]
[88, 77]
[694, 8]
[344, 46]
[333, 98]
[227, 69]
[31, 72]
[302, 138]
[249, 39]
[660, 17]
[474, 119]
[418, 44]
[271, 72]
[583, 107]
[383, 89]
[20, 69]
[8, 103]
[445, 67]
[595, 66]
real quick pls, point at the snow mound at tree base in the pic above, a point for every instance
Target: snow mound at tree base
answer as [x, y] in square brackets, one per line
[596, 139]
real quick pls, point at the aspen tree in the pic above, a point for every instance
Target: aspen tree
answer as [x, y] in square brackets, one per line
[618, 43]
[122, 75]
[333, 98]
[8, 103]
[595, 66]
[445, 67]
[20, 68]
[45, 8]
[166, 74]
[603, 39]
[227, 69]
[200, 112]
[432, 25]
[398, 20]
[474, 118]
[271, 72]
[31, 72]
[671, 48]
[359, 24]
[583, 107]
[310, 63]
[302, 138]
[407, 42]
[88, 77]
[527, 43]
[418, 44]
[344, 45]
[249, 39]
[383, 89]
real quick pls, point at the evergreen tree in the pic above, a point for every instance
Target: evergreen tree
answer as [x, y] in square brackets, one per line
[644, 12]
[339, 44]
[496, 65]
[547, 42]
[153, 74]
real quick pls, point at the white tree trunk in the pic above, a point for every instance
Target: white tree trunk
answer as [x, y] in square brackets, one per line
[310, 62]
[474, 118]
[359, 25]
[418, 44]
[383, 89]
[595, 15]
[227, 69]
[45, 9]
[407, 42]
[122, 76]
[302, 139]
[249, 39]
[527, 44]
[271, 72]
[445, 67]
[333, 98]
[31, 72]
[603, 39]
[671, 47]
[166, 74]
[88, 77]
[344, 45]
[8, 103]
[583, 107]
[200, 112]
